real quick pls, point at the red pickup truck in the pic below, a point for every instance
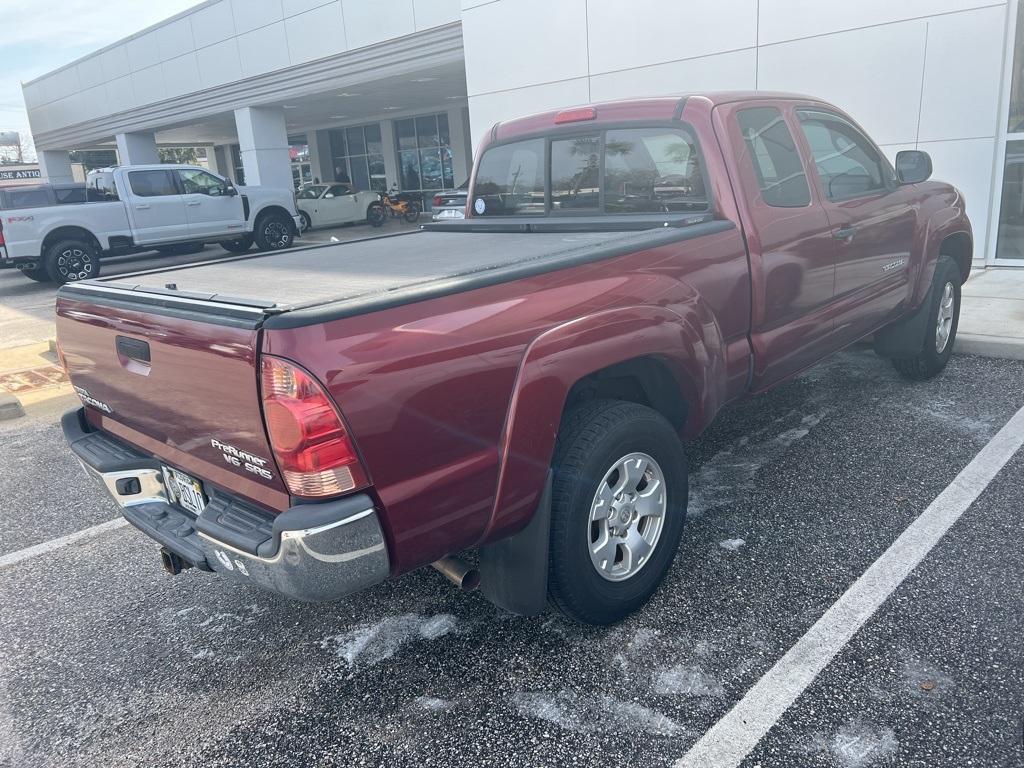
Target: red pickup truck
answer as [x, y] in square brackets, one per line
[517, 382]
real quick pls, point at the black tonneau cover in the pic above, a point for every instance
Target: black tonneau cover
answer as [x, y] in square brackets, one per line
[308, 285]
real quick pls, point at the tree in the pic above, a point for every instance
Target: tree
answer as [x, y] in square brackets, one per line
[181, 155]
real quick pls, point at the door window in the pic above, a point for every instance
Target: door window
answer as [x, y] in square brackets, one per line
[338, 190]
[847, 161]
[780, 171]
[201, 183]
[152, 183]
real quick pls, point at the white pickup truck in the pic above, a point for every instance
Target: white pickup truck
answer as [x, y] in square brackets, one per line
[171, 208]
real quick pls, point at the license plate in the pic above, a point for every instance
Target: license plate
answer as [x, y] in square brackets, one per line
[187, 490]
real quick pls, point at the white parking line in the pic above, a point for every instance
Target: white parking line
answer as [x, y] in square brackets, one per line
[48, 546]
[732, 738]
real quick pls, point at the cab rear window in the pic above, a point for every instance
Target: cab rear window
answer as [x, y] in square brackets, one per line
[617, 171]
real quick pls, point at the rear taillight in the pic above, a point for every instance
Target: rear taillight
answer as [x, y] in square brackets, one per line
[312, 448]
[437, 200]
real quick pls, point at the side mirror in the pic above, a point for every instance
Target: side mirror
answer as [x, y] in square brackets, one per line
[329, 196]
[230, 191]
[913, 166]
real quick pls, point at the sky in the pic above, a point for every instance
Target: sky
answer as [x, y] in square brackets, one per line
[40, 35]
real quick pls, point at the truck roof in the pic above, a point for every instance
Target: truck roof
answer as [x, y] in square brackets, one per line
[654, 109]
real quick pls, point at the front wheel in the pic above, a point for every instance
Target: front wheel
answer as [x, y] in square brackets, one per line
[307, 222]
[375, 214]
[943, 320]
[274, 231]
[69, 261]
[617, 509]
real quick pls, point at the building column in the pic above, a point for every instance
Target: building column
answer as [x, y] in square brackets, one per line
[137, 149]
[462, 150]
[387, 136]
[320, 156]
[55, 165]
[263, 141]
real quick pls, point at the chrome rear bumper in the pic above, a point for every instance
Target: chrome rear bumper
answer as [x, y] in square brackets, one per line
[313, 552]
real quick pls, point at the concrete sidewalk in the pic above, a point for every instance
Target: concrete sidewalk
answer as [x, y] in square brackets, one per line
[992, 314]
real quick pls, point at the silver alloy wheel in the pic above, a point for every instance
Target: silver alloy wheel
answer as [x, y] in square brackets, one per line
[277, 234]
[74, 264]
[307, 223]
[944, 323]
[627, 516]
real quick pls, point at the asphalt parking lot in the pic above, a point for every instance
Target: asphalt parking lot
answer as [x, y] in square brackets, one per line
[106, 660]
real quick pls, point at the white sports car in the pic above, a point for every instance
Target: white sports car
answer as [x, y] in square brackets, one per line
[326, 205]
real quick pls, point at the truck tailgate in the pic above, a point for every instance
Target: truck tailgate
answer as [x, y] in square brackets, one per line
[194, 403]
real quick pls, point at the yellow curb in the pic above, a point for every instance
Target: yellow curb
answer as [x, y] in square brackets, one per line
[28, 356]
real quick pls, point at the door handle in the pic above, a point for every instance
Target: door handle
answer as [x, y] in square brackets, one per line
[193, 202]
[845, 233]
[142, 207]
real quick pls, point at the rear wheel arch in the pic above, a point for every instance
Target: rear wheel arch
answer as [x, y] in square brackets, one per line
[69, 232]
[645, 380]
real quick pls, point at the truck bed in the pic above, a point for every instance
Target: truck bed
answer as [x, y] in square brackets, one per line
[306, 285]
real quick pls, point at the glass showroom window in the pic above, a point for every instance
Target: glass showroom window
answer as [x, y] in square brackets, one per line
[424, 155]
[298, 154]
[358, 154]
[1010, 234]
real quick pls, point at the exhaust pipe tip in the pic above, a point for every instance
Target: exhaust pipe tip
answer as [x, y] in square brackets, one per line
[458, 572]
[171, 562]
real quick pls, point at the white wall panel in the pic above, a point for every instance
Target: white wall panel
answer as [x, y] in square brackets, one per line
[143, 51]
[487, 109]
[94, 103]
[316, 34]
[175, 38]
[64, 83]
[647, 32]
[434, 13]
[525, 42]
[90, 72]
[295, 7]
[219, 63]
[881, 90]
[212, 24]
[115, 62]
[181, 76]
[721, 72]
[967, 164]
[792, 19]
[253, 14]
[148, 85]
[366, 24]
[961, 92]
[263, 50]
[120, 95]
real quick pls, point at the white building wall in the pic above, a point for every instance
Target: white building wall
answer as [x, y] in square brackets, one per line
[218, 42]
[914, 73]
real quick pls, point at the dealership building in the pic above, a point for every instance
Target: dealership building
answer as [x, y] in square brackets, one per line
[376, 94]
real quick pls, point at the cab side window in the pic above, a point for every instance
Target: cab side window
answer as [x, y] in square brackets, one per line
[780, 171]
[152, 183]
[847, 161]
[201, 183]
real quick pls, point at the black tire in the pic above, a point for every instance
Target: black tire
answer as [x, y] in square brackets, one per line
[375, 214]
[274, 231]
[307, 222]
[929, 363]
[39, 274]
[239, 245]
[592, 440]
[412, 213]
[68, 261]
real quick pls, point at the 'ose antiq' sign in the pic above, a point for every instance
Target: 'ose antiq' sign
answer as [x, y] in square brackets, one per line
[20, 174]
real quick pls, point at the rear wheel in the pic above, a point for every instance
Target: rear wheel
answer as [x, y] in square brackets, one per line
[239, 245]
[943, 319]
[375, 214]
[617, 509]
[307, 222]
[69, 261]
[274, 231]
[412, 213]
